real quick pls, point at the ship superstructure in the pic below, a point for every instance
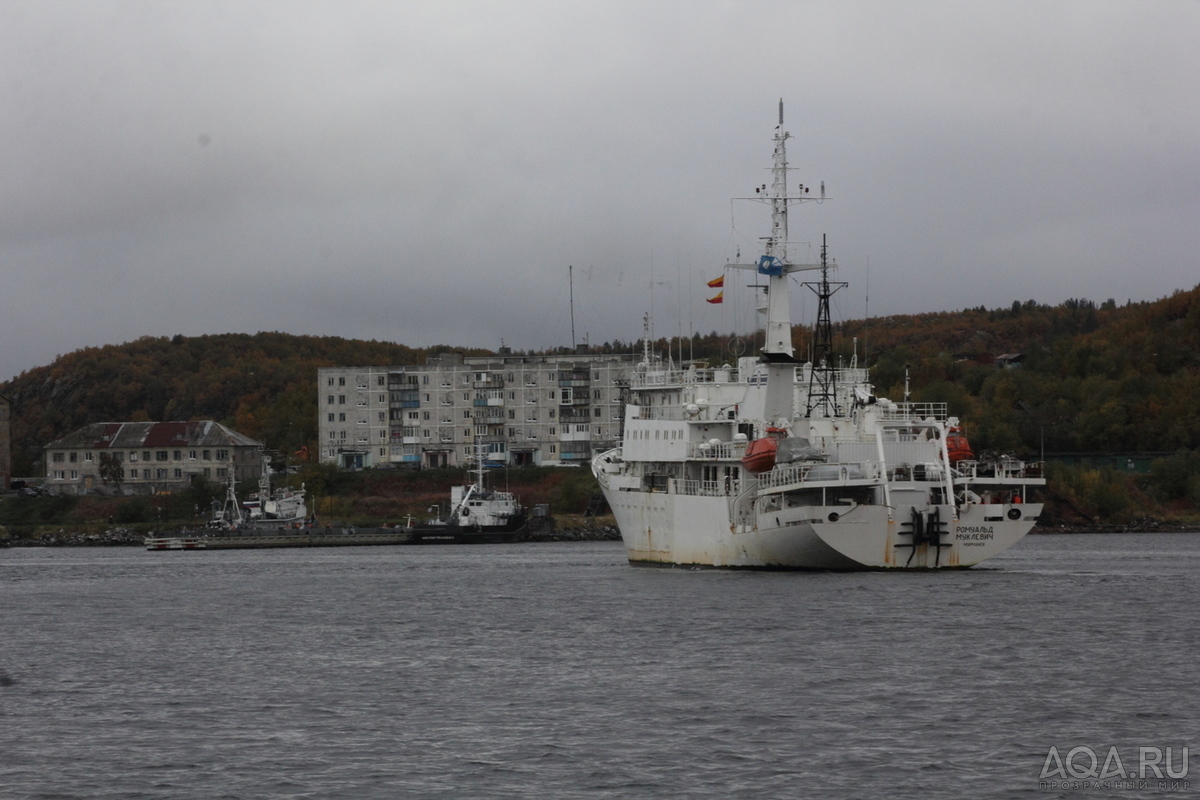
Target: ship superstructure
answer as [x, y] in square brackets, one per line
[773, 463]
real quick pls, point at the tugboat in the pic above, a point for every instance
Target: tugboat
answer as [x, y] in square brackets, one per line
[776, 464]
[478, 514]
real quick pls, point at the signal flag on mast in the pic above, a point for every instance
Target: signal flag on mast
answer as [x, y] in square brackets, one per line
[720, 298]
[717, 283]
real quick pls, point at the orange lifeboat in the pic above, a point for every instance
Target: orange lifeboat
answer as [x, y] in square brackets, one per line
[957, 446]
[760, 454]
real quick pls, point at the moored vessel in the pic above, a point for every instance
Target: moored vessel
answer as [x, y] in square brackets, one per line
[774, 463]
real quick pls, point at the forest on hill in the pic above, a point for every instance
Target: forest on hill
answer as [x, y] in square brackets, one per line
[1089, 378]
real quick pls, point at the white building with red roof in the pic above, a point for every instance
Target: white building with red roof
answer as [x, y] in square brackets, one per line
[149, 457]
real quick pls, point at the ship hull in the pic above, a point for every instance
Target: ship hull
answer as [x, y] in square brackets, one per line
[681, 530]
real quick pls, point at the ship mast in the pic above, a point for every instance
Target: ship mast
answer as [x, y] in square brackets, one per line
[778, 353]
[822, 380]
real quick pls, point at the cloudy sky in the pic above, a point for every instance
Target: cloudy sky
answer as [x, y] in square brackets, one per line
[425, 172]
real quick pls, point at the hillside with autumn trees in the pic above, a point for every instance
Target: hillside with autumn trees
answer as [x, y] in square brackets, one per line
[1090, 378]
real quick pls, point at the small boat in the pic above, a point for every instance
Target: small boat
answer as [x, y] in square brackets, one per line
[478, 514]
[174, 543]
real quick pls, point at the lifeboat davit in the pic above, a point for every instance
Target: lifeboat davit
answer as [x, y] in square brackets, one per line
[957, 446]
[760, 454]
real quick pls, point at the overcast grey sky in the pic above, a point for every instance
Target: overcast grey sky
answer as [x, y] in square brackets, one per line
[425, 172]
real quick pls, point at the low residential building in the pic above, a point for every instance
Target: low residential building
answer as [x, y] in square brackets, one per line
[520, 410]
[149, 457]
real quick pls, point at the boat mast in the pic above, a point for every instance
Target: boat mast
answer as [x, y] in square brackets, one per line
[822, 380]
[778, 344]
[777, 352]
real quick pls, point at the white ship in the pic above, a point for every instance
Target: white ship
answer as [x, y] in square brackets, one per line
[772, 463]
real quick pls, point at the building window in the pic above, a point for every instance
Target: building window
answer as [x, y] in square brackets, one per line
[160, 474]
[57, 458]
[341, 381]
[553, 449]
[597, 412]
[341, 399]
[178, 472]
[178, 455]
[342, 417]
[132, 456]
[133, 473]
[146, 456]
[87, 457]
[162, 455]
[222, 455]
[330, 400]
[207, 456]
[74, 474]
[330, 417]
[331, 381]
[73, 457]
[380, 382]
[332, 435]
[222, 472]
[207, 472]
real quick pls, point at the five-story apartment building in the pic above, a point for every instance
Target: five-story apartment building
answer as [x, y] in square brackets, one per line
[518, 410]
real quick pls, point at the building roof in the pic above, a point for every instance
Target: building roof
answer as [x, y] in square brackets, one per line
[132, 435]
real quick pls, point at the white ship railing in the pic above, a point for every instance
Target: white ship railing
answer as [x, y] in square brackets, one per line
[1004, 469]
[860, 471]
[904, 412]
[668, 413]
[678, 377]
[706, 488]
[725, 451]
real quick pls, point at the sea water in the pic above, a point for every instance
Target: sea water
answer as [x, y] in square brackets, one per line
[557, 670]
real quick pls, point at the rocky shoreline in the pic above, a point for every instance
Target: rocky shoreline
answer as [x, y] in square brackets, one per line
[590, 532]
[126, 537]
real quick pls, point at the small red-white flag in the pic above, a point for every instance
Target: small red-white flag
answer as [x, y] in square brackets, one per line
[720, 298]
[717, 283]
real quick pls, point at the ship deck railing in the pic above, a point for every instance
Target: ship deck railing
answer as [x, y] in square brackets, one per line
[706, 488]
[859, 473]
[851, 472]
[914, 412]
[1004, 469]
[723, 451]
